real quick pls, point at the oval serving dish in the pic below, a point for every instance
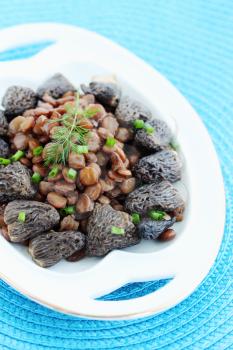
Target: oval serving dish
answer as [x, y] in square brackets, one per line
[72, 288]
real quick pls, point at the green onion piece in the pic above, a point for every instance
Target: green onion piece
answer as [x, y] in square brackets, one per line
[138, 124]
[53, 172]
[4, 161]
[157, 215]
[68, 210]
[110, 142]
[17, 156]
[22, 216]
[117, 230]
[72, 174]
[149, 129]
[82, 149]
[37, 151]
[135, 218]
[36, 178]
[174, 145]
[90, 112]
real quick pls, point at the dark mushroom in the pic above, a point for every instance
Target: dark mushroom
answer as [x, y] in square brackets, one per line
[50, 247]
[151, 229]
[15, 183]
[4, 149]
[156, 140]
[101, 239]
[56, 86]
[3, 124]
[161, 195]
[106, 93]
[163, 165]
[38, 218]
[18, 99]
[76, 256]
[129, 110]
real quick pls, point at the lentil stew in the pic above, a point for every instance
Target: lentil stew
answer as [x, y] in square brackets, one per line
[84, 173]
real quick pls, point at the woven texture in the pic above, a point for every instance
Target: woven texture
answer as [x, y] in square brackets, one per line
[191, 43]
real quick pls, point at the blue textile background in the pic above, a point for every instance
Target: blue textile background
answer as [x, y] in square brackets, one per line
[191, 43]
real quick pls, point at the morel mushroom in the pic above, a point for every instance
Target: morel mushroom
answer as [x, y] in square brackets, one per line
[151, 229]
[163, 165]
[109, 229]
[4, 149]
[106, 93]
[129, 110]
[17, 99]
[38, 217]
[161, 195]
[56, 86]
[156, 140]
[49, 248]
[3, 124]
[15, 183]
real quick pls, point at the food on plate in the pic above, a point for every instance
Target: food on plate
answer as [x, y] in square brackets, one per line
[161, 196]
[49, 248]
[154, 136]
[84, 173]
[129, 111]
[109, 229]
[165, 164]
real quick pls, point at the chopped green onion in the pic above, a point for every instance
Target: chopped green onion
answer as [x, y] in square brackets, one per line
[82, 149]
[90, 112]
[174, 145]
[36, 178]
[4, 161]
[37, 151]
[110, 142]
[149, 129]
[22, 216]
[135, 218]
[138, 124]
[68, 210]
[17, 156]
[72, 174]
[53, 172]
[117, 230]
[157, 215]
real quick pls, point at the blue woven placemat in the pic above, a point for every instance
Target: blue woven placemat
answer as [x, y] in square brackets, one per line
[191, 43]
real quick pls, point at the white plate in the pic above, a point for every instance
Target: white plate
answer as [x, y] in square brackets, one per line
[72, 288]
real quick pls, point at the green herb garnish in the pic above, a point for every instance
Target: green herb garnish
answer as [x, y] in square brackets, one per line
[117, 230]
[36, 178]
[53, 172]
[138, 124]
[136, 218]
[72, 174]
[157, 215]
[82, 149]
[149, 129]
[68, 210]
[37, 151]
[4, 161]
[17, 156]
[65, 138]
[22, 216]
[110, 142]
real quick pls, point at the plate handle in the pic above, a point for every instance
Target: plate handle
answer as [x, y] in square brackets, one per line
[27, 34]
[136, 269]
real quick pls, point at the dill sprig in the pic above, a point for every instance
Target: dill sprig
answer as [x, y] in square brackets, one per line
[69, 134]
